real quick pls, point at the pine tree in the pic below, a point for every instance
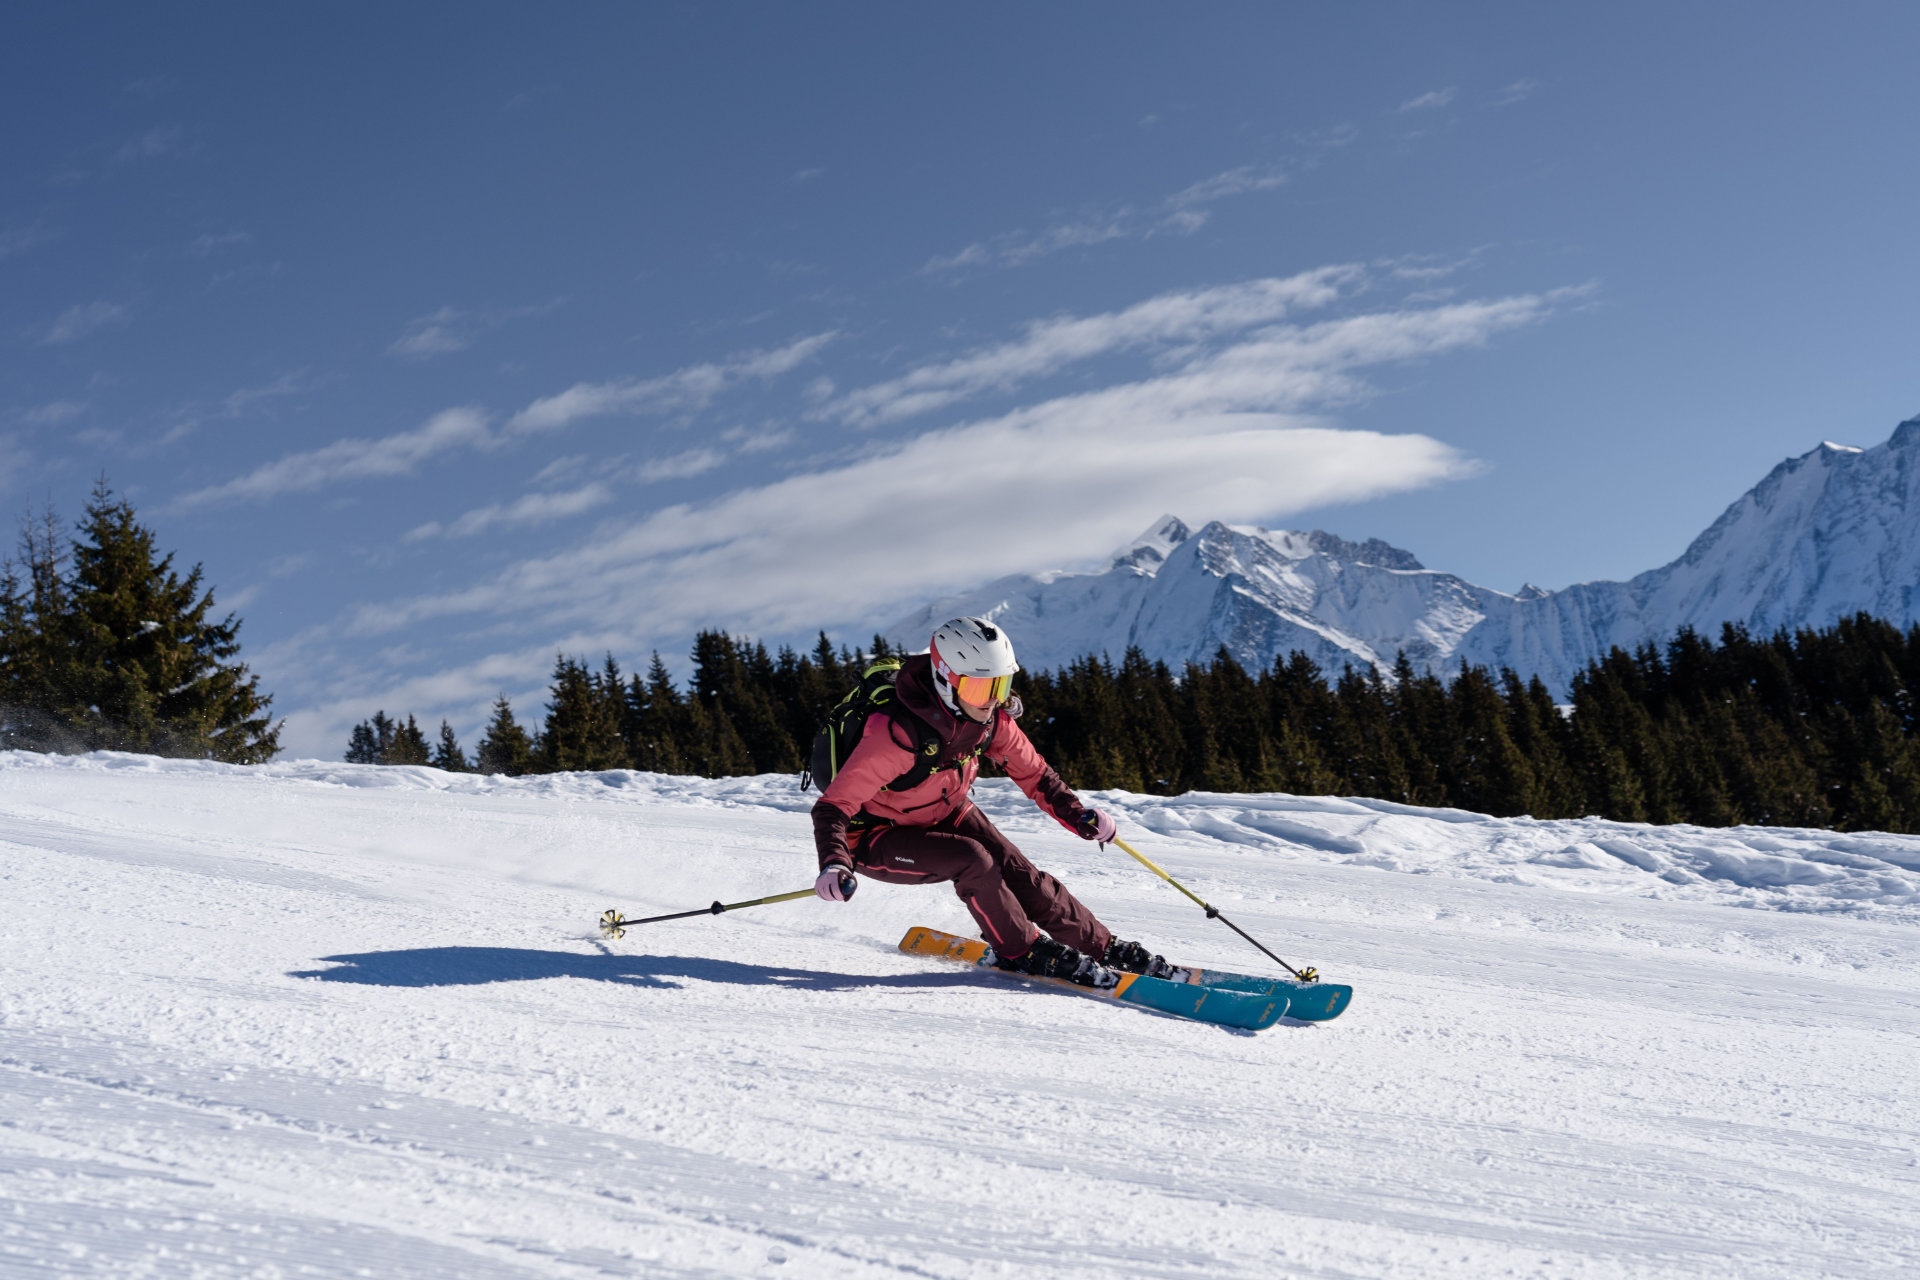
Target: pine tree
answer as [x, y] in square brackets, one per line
[1148, 695]
[106, 646]
[582, 732]
[409, 745]
[35, 676]
[372, 740]
[655, 721]
[1483, 769]
[506, 747]
[731, 727]
[1300, 719]
[151, 666]
[1540, 732]
[447, 754]
[363, 745]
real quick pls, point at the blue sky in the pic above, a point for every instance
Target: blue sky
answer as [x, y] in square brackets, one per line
[451, 336]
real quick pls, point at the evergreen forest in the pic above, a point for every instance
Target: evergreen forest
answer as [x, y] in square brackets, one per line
[104, 646]
[1815, 728]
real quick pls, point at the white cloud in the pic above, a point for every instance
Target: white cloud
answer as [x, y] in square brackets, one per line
[757, 440]
[1182, 212]
[562, 468]
[210, 243]
[681, 466]
[974, 255]
[468, 428]
[236, 404]
[354, 459]
[14, 459]
[1224, 434]
[1429, 101]
[450, 329]
[1518, 91]
[78, 321]
[529, 509]
[162, 140]
[240, 401]
[1248, 177]
[434, 335]
[691, 388]
[463, 695]
[20, 239]
[1050, 345]
[1017, 248]
[54, 413]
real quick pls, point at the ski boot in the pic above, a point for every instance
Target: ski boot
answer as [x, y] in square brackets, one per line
[1131, 957]
[1049, 959]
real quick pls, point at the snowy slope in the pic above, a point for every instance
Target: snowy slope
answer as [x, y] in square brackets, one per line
[334, 1020]
[1824, 535]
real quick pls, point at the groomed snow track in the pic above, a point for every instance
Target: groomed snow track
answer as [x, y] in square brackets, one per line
[331, 1020]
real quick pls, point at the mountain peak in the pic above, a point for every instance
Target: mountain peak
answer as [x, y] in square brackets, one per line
[1146, 553]
[1374, 551]
[1831, 532]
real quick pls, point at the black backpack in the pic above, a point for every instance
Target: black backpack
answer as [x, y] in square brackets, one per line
[841, 733]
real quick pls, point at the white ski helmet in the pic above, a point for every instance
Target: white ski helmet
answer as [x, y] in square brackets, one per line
[972, 662]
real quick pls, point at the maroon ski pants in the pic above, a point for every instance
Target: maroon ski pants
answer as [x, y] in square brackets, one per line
[1006, 893]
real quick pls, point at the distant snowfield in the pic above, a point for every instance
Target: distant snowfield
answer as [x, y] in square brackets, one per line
[331, 1020]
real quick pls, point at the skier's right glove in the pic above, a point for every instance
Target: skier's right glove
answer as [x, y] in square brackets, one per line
[836, 883]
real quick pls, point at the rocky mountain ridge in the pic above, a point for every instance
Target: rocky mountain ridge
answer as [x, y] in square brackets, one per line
[1829, 533]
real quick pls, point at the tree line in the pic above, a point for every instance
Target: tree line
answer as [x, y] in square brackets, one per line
[1816, 727]
[744, 711]
[105, 646]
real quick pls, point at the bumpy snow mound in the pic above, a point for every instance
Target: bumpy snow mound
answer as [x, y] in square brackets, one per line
[1774, 868]
[1777, 868]
[1831, 533]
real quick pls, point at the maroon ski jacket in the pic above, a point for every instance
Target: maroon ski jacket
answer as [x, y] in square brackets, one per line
[886, 751]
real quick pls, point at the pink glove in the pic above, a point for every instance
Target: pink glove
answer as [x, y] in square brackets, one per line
[836, 883]
[1095, 825]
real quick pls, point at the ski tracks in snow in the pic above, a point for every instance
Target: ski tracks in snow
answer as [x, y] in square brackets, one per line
[329, 1020]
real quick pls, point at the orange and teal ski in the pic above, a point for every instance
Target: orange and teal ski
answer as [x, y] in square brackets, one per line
[1307, 1001]
[1249, 1010]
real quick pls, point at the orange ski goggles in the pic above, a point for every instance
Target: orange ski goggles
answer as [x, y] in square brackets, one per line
[982, 691]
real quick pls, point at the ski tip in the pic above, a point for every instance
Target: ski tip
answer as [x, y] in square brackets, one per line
[1321, 1002]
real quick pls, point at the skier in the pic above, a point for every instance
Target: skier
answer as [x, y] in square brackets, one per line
[930, 833]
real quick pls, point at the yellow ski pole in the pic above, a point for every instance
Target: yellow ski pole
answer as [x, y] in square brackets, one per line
[1308, 974]
[612, 926]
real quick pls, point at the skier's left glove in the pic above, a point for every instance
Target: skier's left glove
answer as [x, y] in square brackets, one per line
[836, 883]
[1095, 825]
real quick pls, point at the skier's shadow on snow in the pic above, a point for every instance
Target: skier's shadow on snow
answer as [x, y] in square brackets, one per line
[478, 966]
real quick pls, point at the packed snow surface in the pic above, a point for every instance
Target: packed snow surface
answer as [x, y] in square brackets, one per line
[335, 1020]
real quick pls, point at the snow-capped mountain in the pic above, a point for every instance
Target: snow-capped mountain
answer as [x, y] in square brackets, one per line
[1830, 533]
